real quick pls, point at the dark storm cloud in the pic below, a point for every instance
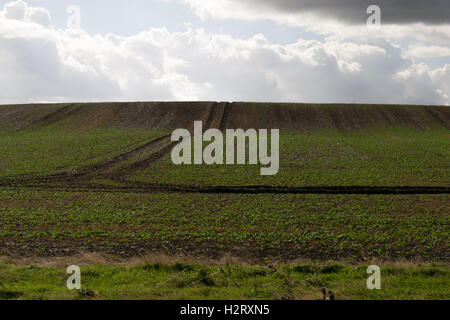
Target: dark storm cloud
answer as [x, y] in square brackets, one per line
[354, 11]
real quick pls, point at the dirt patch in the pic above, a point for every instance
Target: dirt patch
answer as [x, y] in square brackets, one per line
[248, 252]
[97, 258]
[96, 117]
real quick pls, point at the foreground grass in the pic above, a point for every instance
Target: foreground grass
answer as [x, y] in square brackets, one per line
[188, 281]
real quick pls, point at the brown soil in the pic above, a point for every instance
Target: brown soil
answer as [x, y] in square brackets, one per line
[303, 117]
[247, 252]
[172, 115]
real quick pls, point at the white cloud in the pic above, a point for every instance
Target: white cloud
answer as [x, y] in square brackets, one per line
[441, 79]
[15, 10]
[19, 10]
[44, 64]
[39, 16]
[420, 50]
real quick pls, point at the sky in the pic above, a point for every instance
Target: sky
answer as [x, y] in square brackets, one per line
[321, 51]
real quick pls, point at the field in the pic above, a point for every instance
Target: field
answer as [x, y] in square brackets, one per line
[357, 185]
[195, 281]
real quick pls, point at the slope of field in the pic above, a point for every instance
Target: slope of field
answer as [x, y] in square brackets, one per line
[171, 115]
[55, 159]
[389, 157]
[86, 116]
[357, 183]
[128, 144]
[306, 118]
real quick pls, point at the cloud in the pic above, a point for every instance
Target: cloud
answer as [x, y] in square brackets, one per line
[44, 64]
[19, 10]
[424, 20]
[441, 79]
[349, 11]
[34, 70]
[422, 51]
[15, 10]
[354, 11]
[39, 16]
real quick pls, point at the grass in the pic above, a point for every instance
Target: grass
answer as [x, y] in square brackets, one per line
[388, 157]
[377, 158]
[191, 281]
[55, 151]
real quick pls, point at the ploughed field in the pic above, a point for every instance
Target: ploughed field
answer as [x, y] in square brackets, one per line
[356, 182]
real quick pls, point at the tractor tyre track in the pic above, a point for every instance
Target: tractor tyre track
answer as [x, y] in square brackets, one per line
[82, 172]
[142, 187]
[225, 116]
[120, 158]
[212, 118]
